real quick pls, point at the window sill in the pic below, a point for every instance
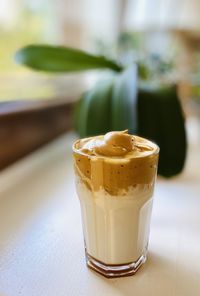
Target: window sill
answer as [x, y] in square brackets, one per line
[27, 125]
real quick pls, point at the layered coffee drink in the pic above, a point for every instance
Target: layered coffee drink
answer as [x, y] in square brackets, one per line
[115, 176]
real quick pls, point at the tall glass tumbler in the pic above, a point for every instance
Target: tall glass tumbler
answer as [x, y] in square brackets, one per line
[116, 203]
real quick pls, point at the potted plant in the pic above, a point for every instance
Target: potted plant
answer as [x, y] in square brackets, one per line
[118, 101]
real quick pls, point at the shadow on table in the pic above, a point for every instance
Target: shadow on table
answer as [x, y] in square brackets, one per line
[158, 276]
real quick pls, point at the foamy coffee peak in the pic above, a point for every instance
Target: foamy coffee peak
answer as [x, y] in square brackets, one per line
[116, 144]
[113, 144]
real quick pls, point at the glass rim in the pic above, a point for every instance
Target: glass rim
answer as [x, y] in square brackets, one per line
[76, 150]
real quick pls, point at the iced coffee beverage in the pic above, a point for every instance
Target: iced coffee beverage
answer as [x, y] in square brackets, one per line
[115, 176]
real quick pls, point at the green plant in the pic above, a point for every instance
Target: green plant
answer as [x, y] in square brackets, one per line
[118, 103]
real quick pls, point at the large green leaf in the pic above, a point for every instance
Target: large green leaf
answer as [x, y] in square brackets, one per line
[124, 100]
[160, 118]
[61, 59]
[92, 111]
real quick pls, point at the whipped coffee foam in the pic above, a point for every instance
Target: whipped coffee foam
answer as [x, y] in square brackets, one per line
[115, 162]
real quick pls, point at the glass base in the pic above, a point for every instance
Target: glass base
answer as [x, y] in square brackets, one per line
[113, 271]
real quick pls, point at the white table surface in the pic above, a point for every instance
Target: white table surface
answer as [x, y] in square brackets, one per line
[41, 244]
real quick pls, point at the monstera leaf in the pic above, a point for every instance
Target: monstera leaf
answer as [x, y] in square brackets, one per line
[109, 105]
[61, 59]
[92, 111]
[161, 119]
[124, 100]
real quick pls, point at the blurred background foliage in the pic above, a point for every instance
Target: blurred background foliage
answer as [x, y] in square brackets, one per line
[23, 22]
[161, 37]
[123, 100]
[130, 47]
